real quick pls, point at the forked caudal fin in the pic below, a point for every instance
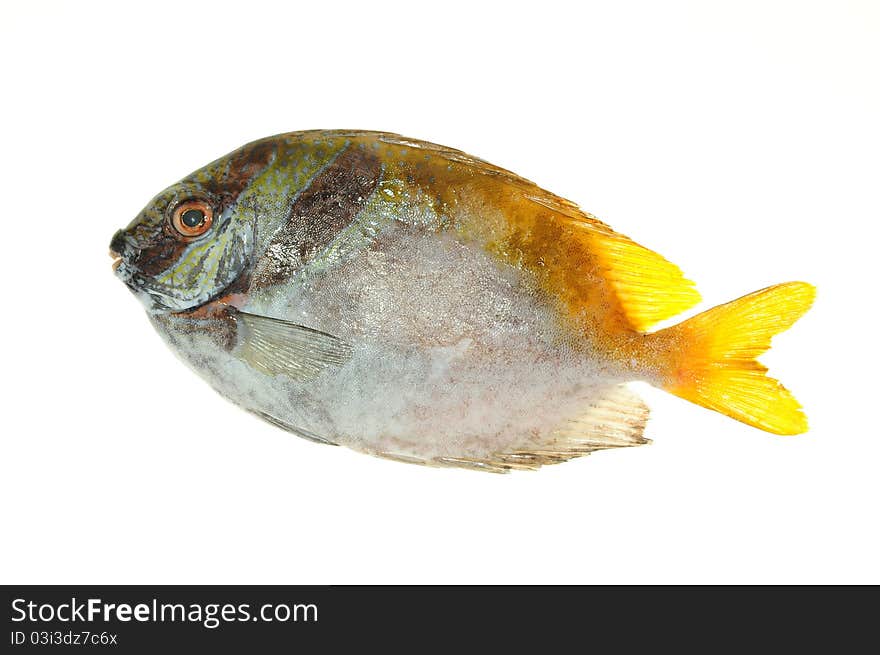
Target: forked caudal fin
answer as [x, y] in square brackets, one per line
[713, 357]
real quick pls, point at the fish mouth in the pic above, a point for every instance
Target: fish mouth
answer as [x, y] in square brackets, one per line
[117, 259]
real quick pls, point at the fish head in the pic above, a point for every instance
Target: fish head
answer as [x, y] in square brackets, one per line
[195, 239]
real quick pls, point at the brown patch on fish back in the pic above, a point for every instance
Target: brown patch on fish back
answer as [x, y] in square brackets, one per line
[558, 251]
[325, 208]
[244, 165]
[526, 227]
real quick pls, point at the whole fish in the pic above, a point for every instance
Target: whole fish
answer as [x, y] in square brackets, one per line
[410, 301]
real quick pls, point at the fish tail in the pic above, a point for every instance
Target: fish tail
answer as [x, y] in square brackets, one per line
[712, 362]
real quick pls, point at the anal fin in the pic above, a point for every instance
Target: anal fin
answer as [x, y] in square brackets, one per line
[615, 418]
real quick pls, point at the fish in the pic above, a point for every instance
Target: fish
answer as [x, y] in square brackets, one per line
[410, 301]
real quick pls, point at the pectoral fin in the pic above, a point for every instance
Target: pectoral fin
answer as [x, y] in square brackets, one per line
[278, 347]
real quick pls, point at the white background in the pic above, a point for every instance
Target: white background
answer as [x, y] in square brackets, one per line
[741, 140]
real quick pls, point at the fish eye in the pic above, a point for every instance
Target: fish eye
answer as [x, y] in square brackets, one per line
[192, 218]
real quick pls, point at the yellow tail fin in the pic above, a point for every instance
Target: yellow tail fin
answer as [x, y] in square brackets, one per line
[712, 358]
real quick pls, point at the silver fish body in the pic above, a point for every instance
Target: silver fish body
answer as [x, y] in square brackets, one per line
[409, 301]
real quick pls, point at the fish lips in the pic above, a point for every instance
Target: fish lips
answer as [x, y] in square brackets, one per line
[120, 253]
[118, 247]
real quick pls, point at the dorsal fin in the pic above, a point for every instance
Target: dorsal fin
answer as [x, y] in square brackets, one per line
[649, 288]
